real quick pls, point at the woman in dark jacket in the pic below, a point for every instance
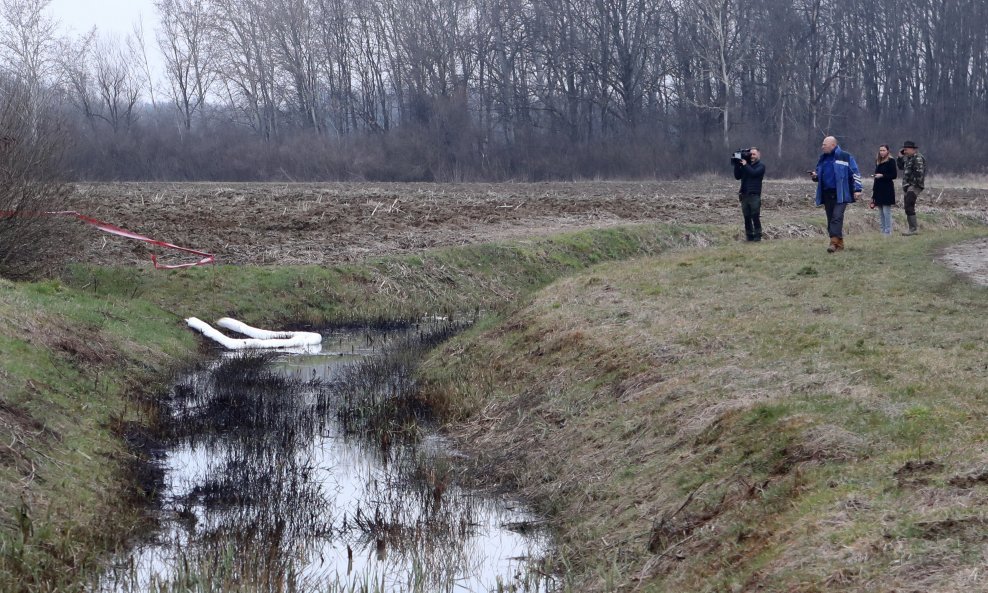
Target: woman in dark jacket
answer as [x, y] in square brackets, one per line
[883, 196]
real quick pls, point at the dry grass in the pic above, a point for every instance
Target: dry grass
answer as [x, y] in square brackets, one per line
[970, 181]
[733, 419]
[73, 354]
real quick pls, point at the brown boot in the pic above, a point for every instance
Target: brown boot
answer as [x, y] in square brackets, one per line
[833, 245]
[840, 243]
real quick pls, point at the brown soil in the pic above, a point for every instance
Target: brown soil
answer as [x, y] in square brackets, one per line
[970, 259]
[329, 223]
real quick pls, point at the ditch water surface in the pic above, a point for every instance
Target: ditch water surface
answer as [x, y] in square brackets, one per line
[280, 473]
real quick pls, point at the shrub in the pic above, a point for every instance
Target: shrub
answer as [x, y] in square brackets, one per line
[31, 146]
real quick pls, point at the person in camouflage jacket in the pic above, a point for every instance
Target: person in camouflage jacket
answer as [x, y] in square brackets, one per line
[913, 166]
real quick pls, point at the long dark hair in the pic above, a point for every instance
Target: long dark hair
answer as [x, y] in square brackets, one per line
[878, 157]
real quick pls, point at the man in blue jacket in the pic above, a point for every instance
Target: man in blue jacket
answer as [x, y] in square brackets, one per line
[838, 184]
[750, 194]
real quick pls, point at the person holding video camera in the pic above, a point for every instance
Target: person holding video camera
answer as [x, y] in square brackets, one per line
[838, 184]
[749, 169]
[913, 166]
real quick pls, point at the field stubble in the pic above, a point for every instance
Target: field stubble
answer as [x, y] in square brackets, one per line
[331, 223]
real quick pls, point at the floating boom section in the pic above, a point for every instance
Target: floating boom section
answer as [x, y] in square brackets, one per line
[307, 338]
[259, 339]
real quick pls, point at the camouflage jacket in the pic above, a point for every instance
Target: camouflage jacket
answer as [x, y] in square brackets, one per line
[913, 170]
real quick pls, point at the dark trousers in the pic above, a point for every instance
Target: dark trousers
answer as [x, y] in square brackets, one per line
[910, 200]
[751, 207]
[835, 213]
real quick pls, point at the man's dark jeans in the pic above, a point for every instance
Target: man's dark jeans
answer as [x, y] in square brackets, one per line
[835, 213]
[751, 206]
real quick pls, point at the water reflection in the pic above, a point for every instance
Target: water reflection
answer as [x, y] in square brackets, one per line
[266, 489]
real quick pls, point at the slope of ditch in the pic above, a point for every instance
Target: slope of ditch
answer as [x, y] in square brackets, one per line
[76, 351]
[79, 353]
[771, 419]
[74, 371]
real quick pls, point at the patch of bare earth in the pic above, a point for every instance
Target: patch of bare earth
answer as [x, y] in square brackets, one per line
[969, 259]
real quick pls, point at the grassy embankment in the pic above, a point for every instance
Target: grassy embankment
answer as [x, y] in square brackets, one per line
[70, 363]
[77, 356]
[746, 417]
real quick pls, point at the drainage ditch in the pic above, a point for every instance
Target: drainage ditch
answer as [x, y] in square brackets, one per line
[289, 472]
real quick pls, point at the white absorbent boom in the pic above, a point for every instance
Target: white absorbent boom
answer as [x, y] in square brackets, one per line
[257, 338]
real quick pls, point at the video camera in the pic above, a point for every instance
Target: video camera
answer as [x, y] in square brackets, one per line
[741, 154]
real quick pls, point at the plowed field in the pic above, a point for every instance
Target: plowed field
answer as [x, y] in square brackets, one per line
[326, 223]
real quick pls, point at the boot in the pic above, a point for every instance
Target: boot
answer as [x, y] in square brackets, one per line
[833, 245]
[913, 227]
[840, 243]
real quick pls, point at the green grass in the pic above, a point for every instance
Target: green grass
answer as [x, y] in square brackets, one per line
[744, 412]
[609, 397]
[437, 282]
[79, 354]
[72, 364]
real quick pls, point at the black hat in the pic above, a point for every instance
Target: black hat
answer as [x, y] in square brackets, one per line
[909, 144]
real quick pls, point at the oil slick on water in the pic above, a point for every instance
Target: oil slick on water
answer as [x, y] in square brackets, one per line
[270, 485]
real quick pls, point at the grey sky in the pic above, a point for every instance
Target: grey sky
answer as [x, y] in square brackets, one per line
[116, 16]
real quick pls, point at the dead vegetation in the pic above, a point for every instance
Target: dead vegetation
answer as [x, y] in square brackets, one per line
[331, 223]
[31, 145]
[722, 420]
[658, 348]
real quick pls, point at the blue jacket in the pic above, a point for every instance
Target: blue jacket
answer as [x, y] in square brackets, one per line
[848, 177]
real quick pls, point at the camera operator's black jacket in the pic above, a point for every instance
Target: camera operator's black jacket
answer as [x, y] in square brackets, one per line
[750, 176]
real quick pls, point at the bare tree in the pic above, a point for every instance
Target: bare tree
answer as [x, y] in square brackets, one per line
[338, 27]
[631, 23]
[247, 62]
[185, 40]
[117, 83]
[505, 88]
[138, 50]
[28, 45]
[721, 40]
[294, 27]
[78, 78]
[825, 65]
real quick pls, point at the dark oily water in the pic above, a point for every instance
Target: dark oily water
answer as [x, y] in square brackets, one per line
[291, 473]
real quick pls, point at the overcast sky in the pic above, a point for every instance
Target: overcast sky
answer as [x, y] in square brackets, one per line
[117, 16]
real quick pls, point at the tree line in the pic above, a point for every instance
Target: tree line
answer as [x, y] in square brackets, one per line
[502, 89]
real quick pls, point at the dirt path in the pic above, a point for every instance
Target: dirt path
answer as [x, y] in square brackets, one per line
[969, 259]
